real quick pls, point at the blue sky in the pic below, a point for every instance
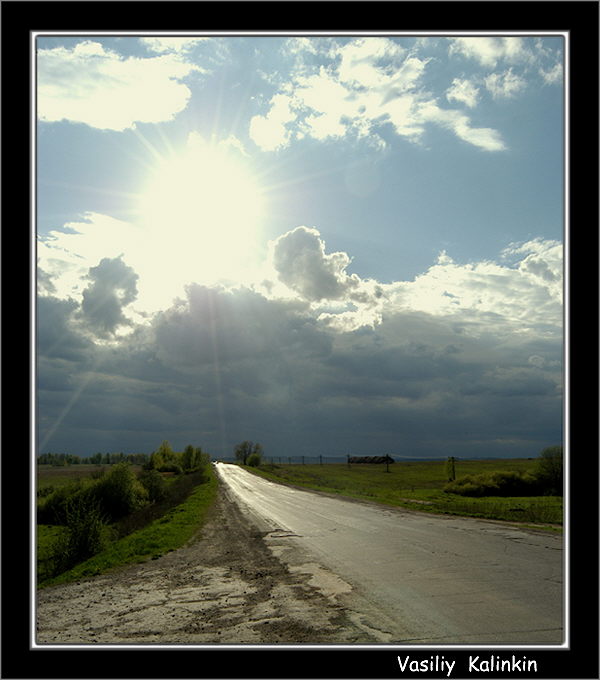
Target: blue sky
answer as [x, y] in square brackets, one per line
[331, 245]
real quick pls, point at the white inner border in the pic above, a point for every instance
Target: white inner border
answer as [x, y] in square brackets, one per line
[33, 358]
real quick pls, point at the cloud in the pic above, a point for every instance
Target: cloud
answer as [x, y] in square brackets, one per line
[488, 51]
[270, 132]
[344, 301]
[369, 62]
[463, 360]
[524, 296]
[553, 74]
[223, 365]
[355, 90]
[171, 43]
[301, 263]
[486, 139]
[112, 287]
[57, 334]
[534, 58]
[463, 91]
[506, 84]
[65, 256]
[96, 86]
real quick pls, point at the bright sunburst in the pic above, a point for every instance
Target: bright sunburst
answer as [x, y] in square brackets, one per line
[201, 211]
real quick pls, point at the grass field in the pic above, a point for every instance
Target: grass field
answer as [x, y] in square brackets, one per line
[169, 532]
[61, 475]
[419, 486]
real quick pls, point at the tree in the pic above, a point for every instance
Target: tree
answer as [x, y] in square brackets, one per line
[188, 458]
[200, 459]
[549, 470]
[245, 449]
[163, 457]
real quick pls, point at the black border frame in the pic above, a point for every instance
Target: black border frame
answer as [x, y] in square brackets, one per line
[19, 17]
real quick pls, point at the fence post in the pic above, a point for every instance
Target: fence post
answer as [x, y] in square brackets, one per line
[348, 457]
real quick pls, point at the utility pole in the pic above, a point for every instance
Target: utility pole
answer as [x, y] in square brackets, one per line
[451, 468]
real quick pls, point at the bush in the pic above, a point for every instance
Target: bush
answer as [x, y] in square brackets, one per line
[253, 460]
[86, 533]
[120, 492]
[154, 484]
[549, 471]
[52, 509]
[171, 467]
[45, 491]
[495, 484]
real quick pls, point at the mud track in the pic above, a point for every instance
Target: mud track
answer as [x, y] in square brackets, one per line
[225, 587]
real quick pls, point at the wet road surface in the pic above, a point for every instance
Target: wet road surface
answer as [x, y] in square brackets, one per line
[409, 577]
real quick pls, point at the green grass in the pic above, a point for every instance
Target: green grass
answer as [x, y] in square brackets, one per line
[171, 531]
[419, 486]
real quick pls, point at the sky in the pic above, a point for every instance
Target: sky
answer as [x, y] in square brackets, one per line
[328, 244]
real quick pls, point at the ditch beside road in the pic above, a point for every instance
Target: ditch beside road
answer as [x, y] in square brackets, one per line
[225, 587]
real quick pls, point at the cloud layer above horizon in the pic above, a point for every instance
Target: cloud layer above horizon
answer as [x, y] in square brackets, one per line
[139, 341]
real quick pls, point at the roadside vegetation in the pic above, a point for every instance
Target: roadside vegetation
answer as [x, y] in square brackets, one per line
[518, 490]
[91, 518]
[248, 453]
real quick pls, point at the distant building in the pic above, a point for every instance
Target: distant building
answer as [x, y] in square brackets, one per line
[370, 459]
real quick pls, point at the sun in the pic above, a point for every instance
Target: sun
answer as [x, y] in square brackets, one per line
[200, 210]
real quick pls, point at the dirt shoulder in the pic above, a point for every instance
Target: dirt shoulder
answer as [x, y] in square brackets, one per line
[225, 587]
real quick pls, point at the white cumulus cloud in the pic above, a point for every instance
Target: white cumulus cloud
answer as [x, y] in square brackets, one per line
[96, 86]
[488, 51]
[506, 84]
[357, 88]
[463, 91]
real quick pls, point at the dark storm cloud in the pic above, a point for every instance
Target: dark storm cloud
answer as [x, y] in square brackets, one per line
[112, 287]
[56, 331]
[215, 325]
[222, 365]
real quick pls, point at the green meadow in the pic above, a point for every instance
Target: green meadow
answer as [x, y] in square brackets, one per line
[420, 486]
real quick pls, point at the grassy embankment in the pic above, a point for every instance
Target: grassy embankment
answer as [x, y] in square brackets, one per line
[175, 527]
[419, 486]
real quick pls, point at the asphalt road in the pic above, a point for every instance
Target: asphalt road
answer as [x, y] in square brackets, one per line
[409, 577]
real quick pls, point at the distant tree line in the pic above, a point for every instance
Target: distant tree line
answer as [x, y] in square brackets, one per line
[164, 459]
[96, 458]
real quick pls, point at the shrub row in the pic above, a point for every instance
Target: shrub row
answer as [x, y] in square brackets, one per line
[546, 480]
[495, 484]
[115, 494]
[118, 498]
